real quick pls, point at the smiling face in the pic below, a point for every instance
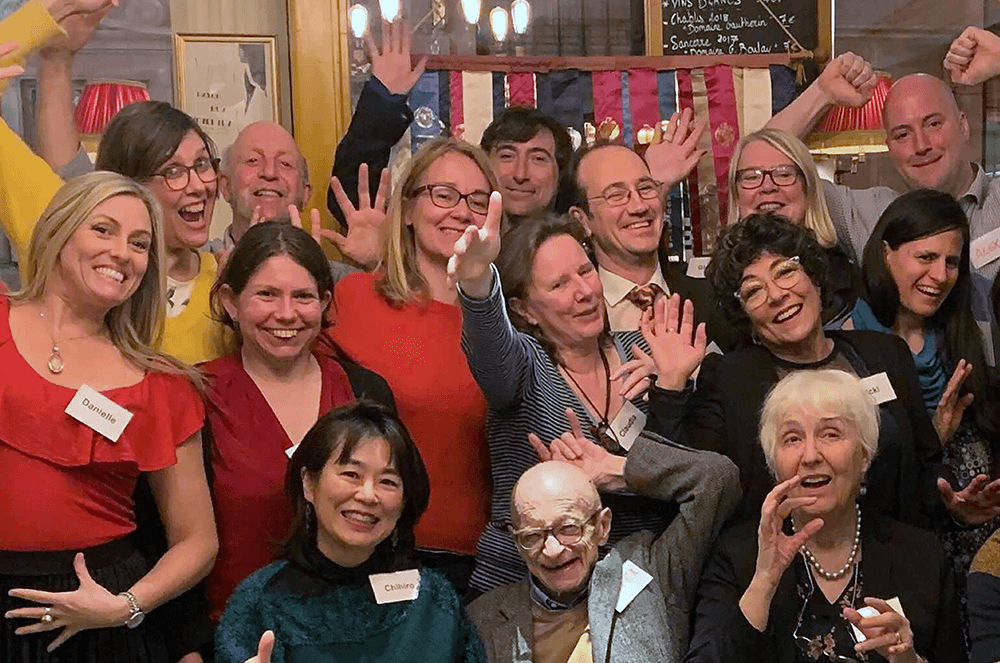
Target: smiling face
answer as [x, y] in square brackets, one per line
[789, 315]
[187, 213]
[357, 502]
[436, 229]
[925, 270]
[787, 201]
[824, 449]
[279, 313]
[265, 173]
[528, 173]
[104, 260]
[628, 234]
[565, 298]
[926, 135]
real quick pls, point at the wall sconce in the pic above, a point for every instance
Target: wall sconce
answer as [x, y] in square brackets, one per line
[499, 23]
[390, 9]
[359, 20]
[520, 15]
[99, 102]
[471, 9]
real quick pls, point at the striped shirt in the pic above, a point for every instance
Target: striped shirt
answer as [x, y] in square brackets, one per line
[527, 394]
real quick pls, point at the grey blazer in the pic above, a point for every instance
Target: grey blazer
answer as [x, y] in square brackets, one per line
[654, 626]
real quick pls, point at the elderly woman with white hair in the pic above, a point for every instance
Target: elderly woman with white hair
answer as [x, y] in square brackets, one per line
[827, 580]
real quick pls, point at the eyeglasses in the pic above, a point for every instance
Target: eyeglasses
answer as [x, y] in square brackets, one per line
[753, 178]
[616, 196]
[177, 177]
[446, 196]
[753, 291]
[530, 539]
[807, 645]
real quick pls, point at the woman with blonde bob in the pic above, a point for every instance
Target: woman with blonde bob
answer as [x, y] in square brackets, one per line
[404, 323]
[828, 579]
[772, 172]
[87, 406]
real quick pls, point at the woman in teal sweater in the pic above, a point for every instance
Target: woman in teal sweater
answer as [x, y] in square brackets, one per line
[357, 486]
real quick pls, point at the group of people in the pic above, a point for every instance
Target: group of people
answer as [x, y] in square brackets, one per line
[508, 428]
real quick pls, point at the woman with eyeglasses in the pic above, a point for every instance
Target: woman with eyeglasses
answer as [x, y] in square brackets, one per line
[404, 323]
[829, 578]
[772, 172]
[771, 279]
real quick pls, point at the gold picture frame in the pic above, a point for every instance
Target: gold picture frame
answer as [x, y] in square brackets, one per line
[227, 81]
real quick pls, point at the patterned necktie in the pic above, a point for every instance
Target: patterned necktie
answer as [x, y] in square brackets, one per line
[643, 296]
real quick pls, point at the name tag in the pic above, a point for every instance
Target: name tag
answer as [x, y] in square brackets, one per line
[99, 412]
[395, 587]
[697, 266]
[879, 388]
[985, 249]
[869, 611]
[634, 580]
[291, 450]
[627, 425]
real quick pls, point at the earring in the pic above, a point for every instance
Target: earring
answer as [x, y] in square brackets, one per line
[863, 490]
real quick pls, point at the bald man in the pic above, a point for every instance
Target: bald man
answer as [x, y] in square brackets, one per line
[633, 604]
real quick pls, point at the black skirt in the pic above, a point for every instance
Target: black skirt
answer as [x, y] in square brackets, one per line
[116, 566]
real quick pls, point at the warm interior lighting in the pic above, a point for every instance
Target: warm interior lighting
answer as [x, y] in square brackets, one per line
[520, 15]
[471, 9]
[390, 9]
[359, 20]
[499, 23]
[99, 102]
[855, 131]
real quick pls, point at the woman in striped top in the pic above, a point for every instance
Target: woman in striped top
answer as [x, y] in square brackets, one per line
[546, 354]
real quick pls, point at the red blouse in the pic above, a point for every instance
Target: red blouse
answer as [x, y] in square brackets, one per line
[64, 486]
[249, 462]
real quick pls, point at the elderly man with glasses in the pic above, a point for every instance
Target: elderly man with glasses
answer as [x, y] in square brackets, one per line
[633, 604]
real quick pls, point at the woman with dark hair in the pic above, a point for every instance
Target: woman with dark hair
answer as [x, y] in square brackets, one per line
[357, 486]
[536, 337]
[770, 279]
[273, 294]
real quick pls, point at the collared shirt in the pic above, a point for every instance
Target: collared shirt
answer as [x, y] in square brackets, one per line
[623, 314]
[560, 632]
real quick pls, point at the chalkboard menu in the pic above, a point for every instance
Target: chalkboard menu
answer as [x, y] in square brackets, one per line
[738, 27]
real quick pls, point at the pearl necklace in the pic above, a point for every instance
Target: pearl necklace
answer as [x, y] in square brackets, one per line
[836, 575]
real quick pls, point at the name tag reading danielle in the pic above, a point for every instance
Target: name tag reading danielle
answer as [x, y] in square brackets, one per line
[93, 409]
[395, 587]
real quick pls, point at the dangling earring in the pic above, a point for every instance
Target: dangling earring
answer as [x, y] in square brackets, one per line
[863, 490]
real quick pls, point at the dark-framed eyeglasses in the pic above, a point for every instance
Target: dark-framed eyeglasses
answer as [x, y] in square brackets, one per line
[617, 195]
[176, 177]
[531, 539]
[805, 644]
[446, 196]
[785, 274]
[753, 178]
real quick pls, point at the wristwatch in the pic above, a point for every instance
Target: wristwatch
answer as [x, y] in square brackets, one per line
[136, 615]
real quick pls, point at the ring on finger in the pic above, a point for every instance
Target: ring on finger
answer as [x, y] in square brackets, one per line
[47, 617]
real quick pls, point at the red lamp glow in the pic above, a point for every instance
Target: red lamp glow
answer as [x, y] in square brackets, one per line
[99, 102]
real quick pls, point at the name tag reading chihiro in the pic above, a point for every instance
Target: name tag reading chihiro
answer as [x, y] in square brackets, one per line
[395, 587]
[879, 388]
[99, 412]
[627, 425]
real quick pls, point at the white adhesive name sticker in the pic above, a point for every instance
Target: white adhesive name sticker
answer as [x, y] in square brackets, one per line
[868, 611]
[634, 580]
[697, 267]
[879, 388]
[395, 587]
[985, 249]
[290, 450]
[628, 424]
[93, 409]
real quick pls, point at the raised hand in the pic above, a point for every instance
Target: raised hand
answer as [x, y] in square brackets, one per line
[365, 224]
[61, 9]
[392, 65]
[79, 29]
[677, 346]
[848, 80]
[6, 48]
[604, 468]
[636, 375]
[977, 503]
[973, 57]
[888, 632]
[264, 649]
[89, 606]
[674, 152]
[951, 407]
[475, 251]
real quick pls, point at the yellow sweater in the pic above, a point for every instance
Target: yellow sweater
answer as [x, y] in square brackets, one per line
[27, 184]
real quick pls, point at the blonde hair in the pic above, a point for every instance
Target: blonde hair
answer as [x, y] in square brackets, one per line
[136, 325]
[823, 391]
[401, 281]
[817, 214]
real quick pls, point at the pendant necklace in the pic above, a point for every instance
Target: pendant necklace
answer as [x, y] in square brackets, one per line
[55, 363]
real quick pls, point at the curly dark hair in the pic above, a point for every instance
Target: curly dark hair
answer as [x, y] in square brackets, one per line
[742, 244]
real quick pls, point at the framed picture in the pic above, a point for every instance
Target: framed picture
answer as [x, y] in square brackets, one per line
[226, 82]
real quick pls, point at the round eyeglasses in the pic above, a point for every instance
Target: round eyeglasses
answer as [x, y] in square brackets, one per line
[617, 195]
[785, 274]
[530, 539]
[446, 196]
[753, 178]
[176, 177]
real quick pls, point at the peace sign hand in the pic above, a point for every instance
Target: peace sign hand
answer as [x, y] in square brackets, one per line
[606, 470]
[475, 251]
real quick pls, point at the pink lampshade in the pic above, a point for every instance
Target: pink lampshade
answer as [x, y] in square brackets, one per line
[847, 130]
[102, 99]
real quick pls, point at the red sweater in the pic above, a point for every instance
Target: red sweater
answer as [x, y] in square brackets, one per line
[417, 349]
